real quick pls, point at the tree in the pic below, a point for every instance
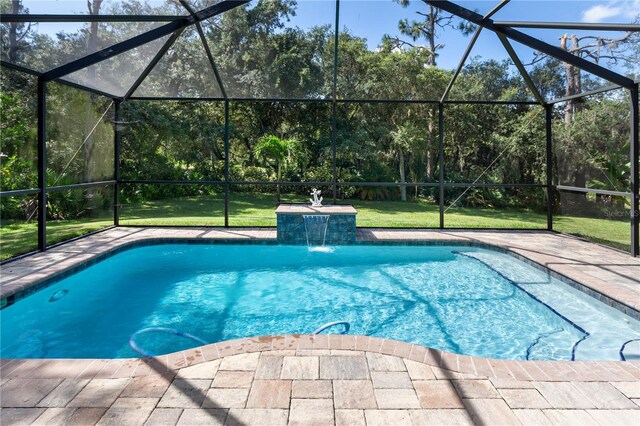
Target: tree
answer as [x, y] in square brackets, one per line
[406, 136]
[14, 34]
[276, 153]
[431, 22]
[92, 46]
[614, 50]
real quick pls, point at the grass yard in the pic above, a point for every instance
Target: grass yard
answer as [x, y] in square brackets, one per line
[258, 210]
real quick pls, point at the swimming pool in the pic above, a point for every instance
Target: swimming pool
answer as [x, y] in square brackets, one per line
[460, 299]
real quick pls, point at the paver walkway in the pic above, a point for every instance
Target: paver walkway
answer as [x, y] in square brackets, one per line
[316, 387]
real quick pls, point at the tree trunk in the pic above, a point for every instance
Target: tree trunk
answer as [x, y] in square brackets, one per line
[12, 52]
[92, 44]
[573, 87]
[278, 177]
[429, 153]
[403, 189]
[433, 17]
[573, 78]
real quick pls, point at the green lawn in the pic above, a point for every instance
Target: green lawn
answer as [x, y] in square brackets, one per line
[258, 210]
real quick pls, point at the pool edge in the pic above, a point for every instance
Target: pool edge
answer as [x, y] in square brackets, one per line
[10, 295]
[448, 365]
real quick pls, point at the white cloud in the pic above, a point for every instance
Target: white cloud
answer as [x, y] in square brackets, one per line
[634, 9]
[600, 12]
[624, 10]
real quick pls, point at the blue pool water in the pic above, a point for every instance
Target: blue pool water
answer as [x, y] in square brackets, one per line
[459, 299]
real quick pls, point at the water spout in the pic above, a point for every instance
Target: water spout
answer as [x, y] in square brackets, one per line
[315, 226]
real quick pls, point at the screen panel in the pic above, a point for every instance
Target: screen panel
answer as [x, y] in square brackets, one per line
[18, 225]
[602, 219]
[80, 136]
[282, 52]
[286, 141]
[172, 205]
[387, 142]
[75, 212]
[18, 143]
[383, 207]
[591, 142]
[494, 143]
[171, 140]
[510, 208]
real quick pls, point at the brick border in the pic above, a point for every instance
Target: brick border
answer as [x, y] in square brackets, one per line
[445, 364]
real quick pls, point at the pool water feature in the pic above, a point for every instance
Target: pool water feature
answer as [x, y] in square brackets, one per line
[460, 299]
[315, 227]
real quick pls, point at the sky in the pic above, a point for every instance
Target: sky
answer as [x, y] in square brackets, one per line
[372, 19]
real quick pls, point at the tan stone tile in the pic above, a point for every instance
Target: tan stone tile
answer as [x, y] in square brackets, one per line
[353, 394]
[570, 417]
[396, 398]
[309, 412]
[26, 392]
[99, 393]
[437, 394]
[226, 398]
[85, 416]
[532, 417]
[129, 411]
[311, 389]
[185, 393]
[604, 395]
[300, 368]
[380, 362]
[616, 417]
[391, 380]
[205, 370]
[419, 371]
[524, 398]
[511, 384]
[247, 416]
[490, 412]
[313, 352]
[563, 395]
[343, 368]
[387, 417]
[151, 386]
[233, 379]
[202, 416]
[444, 374]
[440, 417]
[630, 389]
[350, 418]
[55, 416]
[346, 352]
[65, 392]
[164, 417]
[19, 416]
[269, 367]
[475, 389]
[242, 362]
[269, 394]
[279, 352]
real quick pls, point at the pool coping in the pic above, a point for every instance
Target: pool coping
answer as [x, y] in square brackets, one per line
[451, 365]
[22, 286]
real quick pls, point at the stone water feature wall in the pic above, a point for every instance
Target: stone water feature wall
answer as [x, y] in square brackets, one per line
[341, 227]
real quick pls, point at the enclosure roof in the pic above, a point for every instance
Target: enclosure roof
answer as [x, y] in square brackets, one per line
[149, 37]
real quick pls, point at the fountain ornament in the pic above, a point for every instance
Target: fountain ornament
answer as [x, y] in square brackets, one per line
[317, 200]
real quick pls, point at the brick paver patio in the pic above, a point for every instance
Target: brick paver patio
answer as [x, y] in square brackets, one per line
[328, 379]
[266, 385]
